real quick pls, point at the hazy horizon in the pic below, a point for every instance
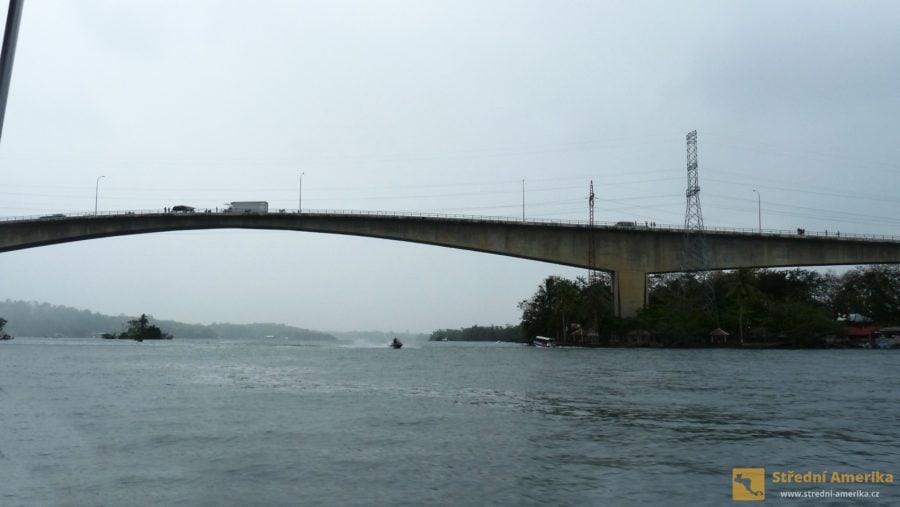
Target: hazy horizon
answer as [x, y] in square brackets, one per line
[156, 318]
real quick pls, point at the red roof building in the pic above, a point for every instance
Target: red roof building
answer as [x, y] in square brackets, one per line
[861, 332]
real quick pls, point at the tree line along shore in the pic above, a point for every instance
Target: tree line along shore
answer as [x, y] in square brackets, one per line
[742, 308]
[796, 308]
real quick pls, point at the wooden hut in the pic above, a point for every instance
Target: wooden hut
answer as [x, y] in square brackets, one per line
[718, 336]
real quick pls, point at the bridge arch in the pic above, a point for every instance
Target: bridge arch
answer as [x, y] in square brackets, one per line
[630, 253]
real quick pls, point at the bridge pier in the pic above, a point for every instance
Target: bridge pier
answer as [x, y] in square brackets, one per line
[629, 292]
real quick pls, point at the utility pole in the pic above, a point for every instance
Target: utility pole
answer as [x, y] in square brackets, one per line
[523, 201]
[592, 248]
[591, 205]
[97, 192]
[8, 53]
[300, 198]
[758, 210]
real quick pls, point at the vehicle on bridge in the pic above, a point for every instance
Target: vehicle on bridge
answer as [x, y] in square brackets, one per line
[54, 216]
[248, 207]
[181, 208]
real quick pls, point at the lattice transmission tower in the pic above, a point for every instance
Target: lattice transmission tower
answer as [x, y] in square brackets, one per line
[696, 255]
[693, 215]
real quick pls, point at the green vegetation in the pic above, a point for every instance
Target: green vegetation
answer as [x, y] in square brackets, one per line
[479, 334]
[559, 303]
[3, 334]
[764, 306]
[139, 329]
[796, 308]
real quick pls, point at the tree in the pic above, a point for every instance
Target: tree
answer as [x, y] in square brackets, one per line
[140, 329]
[742, 290]
[3, 334]
[478, 333]
[873, 291]
[795, 307]
[677, 308]
[804, 324]
[595, 309]
[551, 308]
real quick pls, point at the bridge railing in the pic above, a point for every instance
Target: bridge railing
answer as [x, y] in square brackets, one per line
[799, 233]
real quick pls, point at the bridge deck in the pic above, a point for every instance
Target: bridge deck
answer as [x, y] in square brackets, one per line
[483, 219]
[629, 251]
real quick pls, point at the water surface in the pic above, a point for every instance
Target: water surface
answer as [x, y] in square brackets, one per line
[98, 422]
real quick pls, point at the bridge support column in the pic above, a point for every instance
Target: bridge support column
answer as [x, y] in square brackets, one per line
[629, 292]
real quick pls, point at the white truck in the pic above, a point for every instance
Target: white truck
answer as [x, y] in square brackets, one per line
[249, 207]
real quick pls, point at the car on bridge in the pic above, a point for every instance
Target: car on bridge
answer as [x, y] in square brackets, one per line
[55, 216]
[181, 208]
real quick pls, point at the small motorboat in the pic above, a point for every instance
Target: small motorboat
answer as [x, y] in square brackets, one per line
[543, 342]
[396, 344]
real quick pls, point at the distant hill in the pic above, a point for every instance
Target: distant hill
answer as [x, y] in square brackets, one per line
[28, 318]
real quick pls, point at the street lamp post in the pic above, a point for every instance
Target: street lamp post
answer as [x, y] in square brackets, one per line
[300, 199]
[97, 192]
[523, 201]
[758, 210]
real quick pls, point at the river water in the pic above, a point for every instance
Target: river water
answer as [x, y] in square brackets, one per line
[97, 422]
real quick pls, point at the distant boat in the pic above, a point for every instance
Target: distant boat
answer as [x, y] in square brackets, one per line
[543, 342]
[396, 344]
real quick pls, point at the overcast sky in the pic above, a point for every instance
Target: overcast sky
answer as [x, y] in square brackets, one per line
[427, 106]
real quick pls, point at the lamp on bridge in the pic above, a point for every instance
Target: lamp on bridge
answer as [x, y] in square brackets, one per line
[300, 200]
[97, 192]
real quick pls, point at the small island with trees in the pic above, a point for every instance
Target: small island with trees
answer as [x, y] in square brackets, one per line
[3, 334]
[139, 330]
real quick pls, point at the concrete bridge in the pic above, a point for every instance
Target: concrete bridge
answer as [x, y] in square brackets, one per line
[630, 252]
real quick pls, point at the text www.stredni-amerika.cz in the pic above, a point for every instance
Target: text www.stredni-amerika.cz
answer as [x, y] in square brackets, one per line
[830, 493]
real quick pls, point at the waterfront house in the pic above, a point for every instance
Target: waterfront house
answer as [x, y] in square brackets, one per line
[582, 336]
[860, 336]
[718, 336]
